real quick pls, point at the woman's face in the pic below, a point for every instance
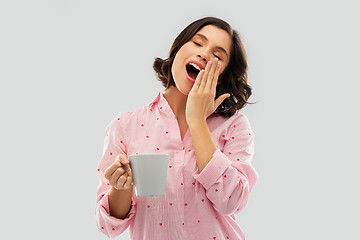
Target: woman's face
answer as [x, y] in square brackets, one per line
[208, 43]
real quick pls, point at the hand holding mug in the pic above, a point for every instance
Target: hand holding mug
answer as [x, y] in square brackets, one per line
[119, 173]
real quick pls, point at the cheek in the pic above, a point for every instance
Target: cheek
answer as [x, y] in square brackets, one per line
[175, 66]
[184, 52]
[222, 69]
[179, 59]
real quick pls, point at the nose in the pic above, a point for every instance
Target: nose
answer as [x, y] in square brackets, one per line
[203, 57]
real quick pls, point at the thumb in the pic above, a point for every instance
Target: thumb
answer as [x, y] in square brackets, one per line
[124, 160]
[220, 99]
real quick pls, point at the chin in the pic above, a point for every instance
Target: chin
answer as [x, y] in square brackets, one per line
[184, 87]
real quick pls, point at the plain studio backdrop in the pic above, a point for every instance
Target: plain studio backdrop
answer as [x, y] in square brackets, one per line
[68, 67]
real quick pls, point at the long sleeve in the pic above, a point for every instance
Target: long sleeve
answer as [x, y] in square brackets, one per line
[114, 144]
[229, 176]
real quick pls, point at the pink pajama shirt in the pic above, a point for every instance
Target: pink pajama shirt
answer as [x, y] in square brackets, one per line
[195, 205]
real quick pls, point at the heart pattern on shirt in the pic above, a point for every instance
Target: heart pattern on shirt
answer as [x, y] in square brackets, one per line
[171, 204]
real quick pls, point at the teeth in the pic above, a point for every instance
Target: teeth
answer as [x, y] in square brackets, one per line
[195, 66]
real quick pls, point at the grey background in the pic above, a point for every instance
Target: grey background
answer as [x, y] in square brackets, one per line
[68, 67]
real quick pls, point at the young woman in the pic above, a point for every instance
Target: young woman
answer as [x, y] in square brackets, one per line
[196, 121]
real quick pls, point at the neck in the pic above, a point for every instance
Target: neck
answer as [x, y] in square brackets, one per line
[177, 101]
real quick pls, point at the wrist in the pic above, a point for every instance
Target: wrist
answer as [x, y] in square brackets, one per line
[113, 190]
[196, 124]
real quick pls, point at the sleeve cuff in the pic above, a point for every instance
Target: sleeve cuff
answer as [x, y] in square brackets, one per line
[213, 170]
[105, 212]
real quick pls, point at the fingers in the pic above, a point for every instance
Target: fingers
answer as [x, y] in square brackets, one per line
[206, 74]
[119, 184]
[123, 159]
[128, 171]
[126, 164]
[111, 169]
[198, 79]
[211, 75]
[215, 77]
[115, 177]
[119, 173]
[124, 182]
[212, 69]
[128, 184]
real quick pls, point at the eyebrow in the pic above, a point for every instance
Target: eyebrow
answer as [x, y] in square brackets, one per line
[218, 47]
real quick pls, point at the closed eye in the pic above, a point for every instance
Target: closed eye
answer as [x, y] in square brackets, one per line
[200, 46]
[217, 57]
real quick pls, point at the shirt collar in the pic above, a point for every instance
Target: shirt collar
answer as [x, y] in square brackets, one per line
[157, 99]
[160, 104]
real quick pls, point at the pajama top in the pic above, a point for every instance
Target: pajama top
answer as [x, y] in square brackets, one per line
[195, 205]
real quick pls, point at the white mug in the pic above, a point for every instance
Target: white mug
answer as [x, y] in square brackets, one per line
[149, 173]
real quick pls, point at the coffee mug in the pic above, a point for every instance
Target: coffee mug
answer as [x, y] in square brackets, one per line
[149, 173]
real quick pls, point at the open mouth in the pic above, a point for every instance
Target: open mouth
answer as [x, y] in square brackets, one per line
[192, 71]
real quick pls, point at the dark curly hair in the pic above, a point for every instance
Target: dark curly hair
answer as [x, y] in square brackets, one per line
[233, 79]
